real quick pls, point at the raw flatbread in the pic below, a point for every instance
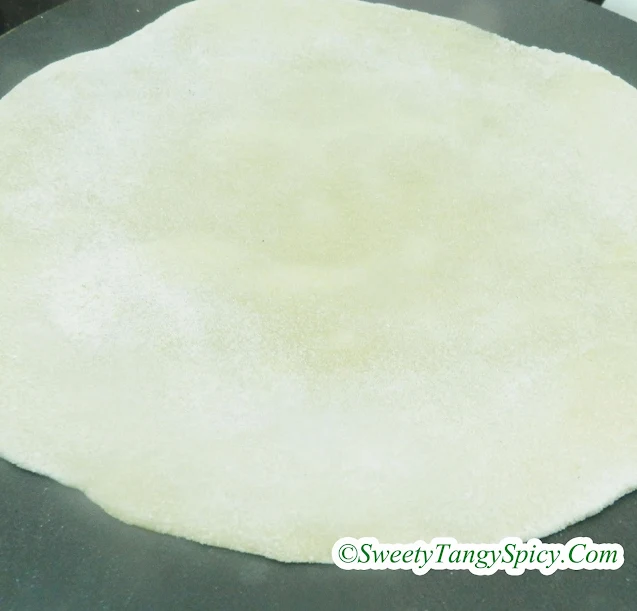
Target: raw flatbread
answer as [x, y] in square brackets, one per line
[275, 273]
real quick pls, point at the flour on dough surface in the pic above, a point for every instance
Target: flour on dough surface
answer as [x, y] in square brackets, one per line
[275, 273]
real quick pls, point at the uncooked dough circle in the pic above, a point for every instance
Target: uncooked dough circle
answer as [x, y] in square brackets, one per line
[275, 273]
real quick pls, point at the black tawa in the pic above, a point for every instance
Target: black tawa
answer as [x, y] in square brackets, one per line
[60, 552]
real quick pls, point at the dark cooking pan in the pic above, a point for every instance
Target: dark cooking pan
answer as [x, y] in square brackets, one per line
[59, 552]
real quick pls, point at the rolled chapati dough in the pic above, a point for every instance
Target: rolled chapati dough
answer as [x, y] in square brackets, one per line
[275, 273]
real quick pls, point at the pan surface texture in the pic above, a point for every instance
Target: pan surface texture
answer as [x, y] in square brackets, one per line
[60, 552]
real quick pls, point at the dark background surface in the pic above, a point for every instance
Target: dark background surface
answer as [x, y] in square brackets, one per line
[59, 552]
[15, 12]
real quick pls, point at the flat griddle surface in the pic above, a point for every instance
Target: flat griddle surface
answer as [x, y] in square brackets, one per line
[60, 552]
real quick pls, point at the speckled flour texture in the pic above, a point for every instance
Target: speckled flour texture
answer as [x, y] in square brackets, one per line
[275, 273]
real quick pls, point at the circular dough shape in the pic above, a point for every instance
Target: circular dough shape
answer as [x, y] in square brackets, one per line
[275, 273]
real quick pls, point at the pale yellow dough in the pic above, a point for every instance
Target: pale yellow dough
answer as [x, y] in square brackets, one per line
[275, 273]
